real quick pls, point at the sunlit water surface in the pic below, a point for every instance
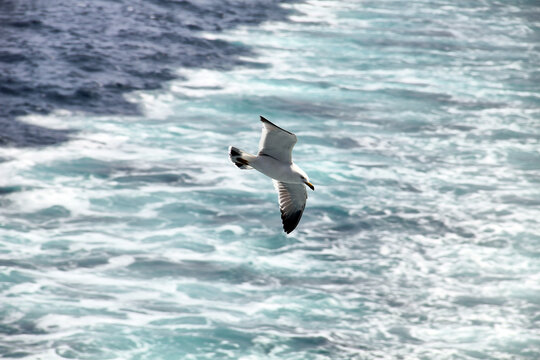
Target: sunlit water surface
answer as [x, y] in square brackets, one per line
[418, 123]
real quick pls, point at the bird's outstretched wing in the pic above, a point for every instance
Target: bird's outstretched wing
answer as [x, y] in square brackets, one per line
[276, 142]
[292, 201]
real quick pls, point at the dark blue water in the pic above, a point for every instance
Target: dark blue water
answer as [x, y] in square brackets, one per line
[126, 232]
[85, 55]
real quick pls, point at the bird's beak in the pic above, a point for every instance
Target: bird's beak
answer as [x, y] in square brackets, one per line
[310, 185]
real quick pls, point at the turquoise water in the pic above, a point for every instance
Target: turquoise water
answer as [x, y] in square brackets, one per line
[417, 122]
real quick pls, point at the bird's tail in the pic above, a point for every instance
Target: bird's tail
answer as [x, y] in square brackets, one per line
[240, 158]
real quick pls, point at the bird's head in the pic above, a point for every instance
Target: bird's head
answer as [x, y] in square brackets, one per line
[301, 176]
[305, 179]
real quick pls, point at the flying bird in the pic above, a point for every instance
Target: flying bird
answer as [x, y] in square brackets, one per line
[275, 161]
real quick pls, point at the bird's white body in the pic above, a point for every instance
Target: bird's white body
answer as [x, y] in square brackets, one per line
[275, 161]
[277, 170]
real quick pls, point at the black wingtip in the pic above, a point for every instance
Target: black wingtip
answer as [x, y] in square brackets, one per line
[265, 120]
[290, 222]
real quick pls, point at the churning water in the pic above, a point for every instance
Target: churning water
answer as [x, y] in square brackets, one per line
[126, 233]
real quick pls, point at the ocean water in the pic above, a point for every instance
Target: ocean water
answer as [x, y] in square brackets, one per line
[126, 233]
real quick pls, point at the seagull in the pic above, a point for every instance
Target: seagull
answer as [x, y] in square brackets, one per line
[275, 161]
